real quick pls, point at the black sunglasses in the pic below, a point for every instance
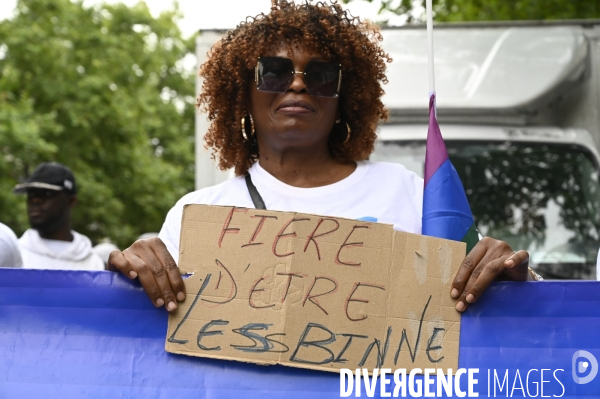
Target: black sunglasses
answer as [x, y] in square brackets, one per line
[275, 75]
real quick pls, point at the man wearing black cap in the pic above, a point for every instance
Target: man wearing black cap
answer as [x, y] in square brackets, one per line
[50, 243]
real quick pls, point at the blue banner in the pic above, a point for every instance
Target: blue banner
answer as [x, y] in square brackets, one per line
[66, 334]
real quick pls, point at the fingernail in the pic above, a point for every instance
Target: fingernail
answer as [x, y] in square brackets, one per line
[171, 306]
[132, 274]
[160, 302]
[509, 262]
[180, 296]
[470, 298]
[460, 306]
[454, 293]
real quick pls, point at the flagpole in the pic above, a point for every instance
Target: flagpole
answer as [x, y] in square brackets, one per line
[446, 210]
[428, 4]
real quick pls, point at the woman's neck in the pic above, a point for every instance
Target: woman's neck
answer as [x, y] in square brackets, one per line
[305, 171]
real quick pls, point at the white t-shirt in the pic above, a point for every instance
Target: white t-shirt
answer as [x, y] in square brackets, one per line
[41, 253]
[10, 256]
[375, 192]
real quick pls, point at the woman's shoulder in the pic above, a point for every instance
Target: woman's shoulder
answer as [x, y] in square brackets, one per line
[389, 170]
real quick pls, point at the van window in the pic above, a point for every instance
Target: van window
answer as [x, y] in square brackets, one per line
[544, 198]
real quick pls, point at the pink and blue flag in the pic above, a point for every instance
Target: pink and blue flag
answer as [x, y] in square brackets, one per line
[446, 211]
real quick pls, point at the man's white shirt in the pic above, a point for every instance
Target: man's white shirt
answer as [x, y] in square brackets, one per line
[40, 253]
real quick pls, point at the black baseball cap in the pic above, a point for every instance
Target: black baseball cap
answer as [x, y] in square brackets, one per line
[49, 176]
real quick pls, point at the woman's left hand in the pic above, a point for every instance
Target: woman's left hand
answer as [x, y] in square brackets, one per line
[488, 260]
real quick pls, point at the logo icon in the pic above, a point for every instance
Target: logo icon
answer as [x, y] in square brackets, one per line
[580, 366]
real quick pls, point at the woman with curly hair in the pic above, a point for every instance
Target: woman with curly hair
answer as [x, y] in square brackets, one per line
[294, 98]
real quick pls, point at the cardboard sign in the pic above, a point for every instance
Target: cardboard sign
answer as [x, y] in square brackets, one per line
[315, 292]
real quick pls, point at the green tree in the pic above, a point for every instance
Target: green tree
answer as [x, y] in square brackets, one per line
[103, 91]
[495, 10]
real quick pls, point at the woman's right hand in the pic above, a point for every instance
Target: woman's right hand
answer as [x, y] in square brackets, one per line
[150, 261]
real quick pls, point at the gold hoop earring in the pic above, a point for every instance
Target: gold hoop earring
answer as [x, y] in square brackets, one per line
[252, 131]
[348, 135]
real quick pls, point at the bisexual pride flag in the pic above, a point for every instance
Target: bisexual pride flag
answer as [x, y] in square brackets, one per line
[446, 211]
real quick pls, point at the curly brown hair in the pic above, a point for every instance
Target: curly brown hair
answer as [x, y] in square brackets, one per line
[324, 28]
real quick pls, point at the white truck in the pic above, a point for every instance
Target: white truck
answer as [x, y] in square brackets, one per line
[519, 109]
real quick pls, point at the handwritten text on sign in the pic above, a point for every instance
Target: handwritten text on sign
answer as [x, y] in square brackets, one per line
[314, 292]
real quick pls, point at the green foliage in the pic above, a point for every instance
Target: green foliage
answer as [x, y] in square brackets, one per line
[101, 90]
[497, 10]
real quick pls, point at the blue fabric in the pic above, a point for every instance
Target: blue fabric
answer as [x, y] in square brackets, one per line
[446, 211]
[66, 334]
